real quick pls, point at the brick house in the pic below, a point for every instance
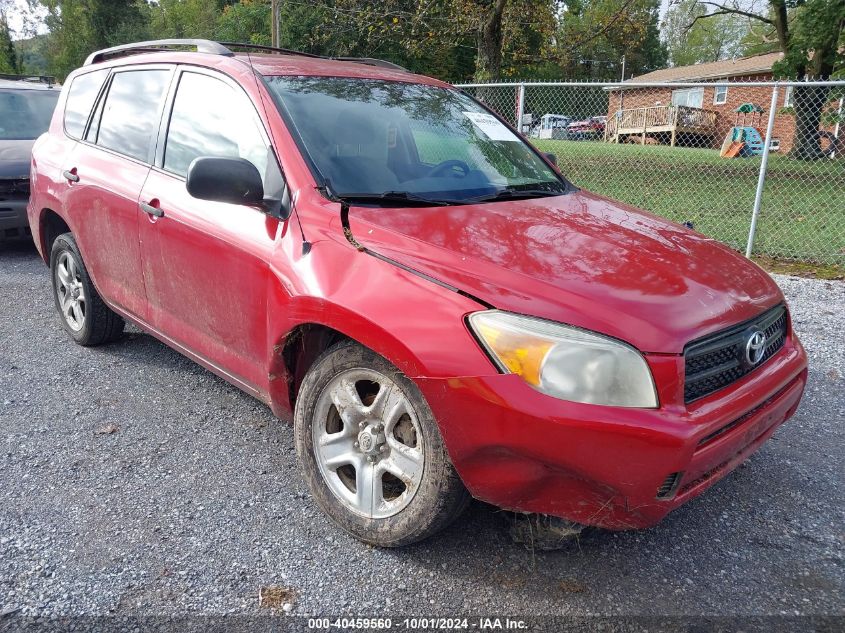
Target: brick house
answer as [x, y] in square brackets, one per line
[700, 117]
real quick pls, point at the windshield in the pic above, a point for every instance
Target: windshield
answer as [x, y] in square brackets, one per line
[25, 114]
[370, 138]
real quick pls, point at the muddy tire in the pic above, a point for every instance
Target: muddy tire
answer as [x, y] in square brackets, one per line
[371, 451]
[84, 315]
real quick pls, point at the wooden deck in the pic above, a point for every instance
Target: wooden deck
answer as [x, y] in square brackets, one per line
[671, 120]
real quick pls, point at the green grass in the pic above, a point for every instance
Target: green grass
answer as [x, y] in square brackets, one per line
[802, 216]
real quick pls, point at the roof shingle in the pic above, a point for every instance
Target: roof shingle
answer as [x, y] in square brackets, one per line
[752, 65]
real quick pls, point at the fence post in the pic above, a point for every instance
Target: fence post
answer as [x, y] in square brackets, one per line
[761, 179]
[520, 106]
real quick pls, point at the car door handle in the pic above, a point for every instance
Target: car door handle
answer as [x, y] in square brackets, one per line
[71, 175]
[151, 210]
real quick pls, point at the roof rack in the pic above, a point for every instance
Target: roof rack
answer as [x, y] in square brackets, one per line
[371, 61]
[221, 48]
[202, 46]
[44, 79]
[271, 49]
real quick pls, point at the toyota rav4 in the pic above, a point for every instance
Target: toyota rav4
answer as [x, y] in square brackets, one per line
[384, 259]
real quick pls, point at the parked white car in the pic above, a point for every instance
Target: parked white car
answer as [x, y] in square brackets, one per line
[551, 126]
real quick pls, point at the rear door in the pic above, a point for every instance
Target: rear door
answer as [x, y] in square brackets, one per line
[105, 173]
[205, 263]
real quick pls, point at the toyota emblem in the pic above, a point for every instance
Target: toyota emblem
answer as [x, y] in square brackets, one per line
[365, 440]
[755, 347]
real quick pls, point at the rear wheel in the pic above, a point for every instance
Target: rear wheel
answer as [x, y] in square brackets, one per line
[85, 317]
[371, 451]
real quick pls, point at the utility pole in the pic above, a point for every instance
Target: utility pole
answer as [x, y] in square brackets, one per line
[622, 90]
[274, 10]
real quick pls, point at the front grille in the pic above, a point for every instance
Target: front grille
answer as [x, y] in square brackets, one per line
[716, 361]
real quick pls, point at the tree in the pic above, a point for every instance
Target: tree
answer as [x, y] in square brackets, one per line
[494, 28]
[185, 18]
[595, 34]
[8, 56]
[78, 27]
[247, 21]
[810, 35]
[694, 42]
[491, 40]
[115, 22]
[509, 36]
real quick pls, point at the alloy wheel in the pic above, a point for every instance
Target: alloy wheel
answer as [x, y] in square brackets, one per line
[367, 443]
[70, 291]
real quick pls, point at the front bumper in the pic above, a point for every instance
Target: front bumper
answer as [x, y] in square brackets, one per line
[14, 223]
[604, 466]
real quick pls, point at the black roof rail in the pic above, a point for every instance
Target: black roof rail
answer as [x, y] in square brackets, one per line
[221, 48]
[270, 49]
[202, 46]
[371, 61]
[44, 79]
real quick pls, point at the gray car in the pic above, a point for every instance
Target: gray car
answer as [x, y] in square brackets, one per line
[26, 107]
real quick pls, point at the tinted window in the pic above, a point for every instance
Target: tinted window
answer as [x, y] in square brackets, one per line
[209, 118]
[83, 91]
[25, 114]
[131, 113]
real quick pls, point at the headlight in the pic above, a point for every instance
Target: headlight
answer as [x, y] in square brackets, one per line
[566, 362]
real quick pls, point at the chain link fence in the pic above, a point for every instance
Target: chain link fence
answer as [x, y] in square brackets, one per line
[758, 165]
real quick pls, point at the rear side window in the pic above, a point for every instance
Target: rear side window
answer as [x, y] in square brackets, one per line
[80, 98]
[210, 118]
[131, 112]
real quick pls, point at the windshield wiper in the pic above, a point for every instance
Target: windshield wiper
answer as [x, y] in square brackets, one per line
[398, 197]
[514, 194]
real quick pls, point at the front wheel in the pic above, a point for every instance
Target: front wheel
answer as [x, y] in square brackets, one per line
[371, 451]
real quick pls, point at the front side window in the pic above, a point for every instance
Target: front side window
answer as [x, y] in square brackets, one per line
[373, 137]
[787, 97]
[720, 95]
[209, 118]
[131, 112]
[81, 96]
[25, 114]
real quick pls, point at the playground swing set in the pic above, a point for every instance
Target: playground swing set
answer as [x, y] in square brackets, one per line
[744, 138]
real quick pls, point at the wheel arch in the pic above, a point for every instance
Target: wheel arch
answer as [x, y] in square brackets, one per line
[50, 226]
[416, 325]
[296, 351]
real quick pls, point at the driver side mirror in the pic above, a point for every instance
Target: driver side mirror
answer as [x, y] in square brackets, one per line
[551, 158]
[232, 180]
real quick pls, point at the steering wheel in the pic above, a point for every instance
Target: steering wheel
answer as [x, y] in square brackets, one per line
[450, 167]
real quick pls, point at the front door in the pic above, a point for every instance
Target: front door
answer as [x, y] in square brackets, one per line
[206, 263]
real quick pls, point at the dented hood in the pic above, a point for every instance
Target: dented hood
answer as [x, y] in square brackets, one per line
[579, 259]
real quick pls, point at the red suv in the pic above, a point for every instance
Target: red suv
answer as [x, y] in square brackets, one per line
[382, 257]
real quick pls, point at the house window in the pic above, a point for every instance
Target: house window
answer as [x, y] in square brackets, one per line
[691, 97]
[787, 97]
[720, 95]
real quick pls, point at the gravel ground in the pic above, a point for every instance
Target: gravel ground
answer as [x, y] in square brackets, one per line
[194, 500]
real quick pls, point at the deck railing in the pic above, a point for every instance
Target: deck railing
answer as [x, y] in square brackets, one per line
[650, 117]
